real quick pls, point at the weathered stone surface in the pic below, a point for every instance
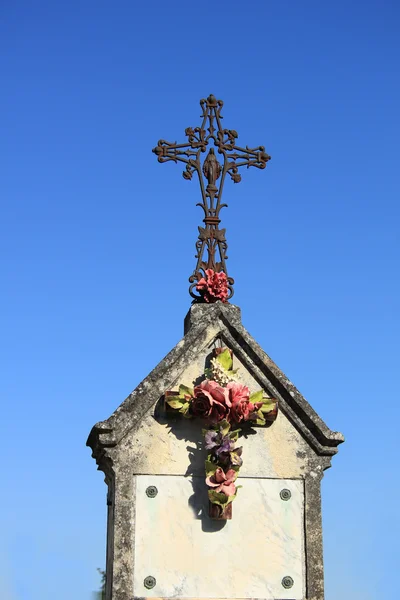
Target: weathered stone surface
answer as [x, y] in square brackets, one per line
[139, 439]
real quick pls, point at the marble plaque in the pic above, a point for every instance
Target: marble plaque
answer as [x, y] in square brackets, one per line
[191, 556]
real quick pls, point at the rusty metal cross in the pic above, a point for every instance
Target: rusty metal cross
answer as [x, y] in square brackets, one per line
[210, 171]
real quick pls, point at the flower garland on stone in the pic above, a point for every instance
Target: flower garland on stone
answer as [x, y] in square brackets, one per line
[225, 404]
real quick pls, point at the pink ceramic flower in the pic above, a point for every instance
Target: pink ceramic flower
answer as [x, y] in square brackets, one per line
[214, 286]
[242, 408]
[223, 482]
[211, 401]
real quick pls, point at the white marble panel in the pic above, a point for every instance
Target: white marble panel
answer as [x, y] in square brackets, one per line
[191, 556]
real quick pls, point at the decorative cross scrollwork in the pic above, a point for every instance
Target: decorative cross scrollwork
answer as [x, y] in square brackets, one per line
[210, 171]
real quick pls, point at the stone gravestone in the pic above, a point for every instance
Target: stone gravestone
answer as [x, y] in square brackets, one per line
[214, 463]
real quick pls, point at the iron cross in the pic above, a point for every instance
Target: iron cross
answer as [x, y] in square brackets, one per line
[210, 171]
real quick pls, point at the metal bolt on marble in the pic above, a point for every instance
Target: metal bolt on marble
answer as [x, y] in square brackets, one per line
[285, 494]
[151, 491]
[149, 582]
[287, 582]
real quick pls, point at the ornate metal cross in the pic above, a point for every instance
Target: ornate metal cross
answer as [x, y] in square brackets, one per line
[209, 171]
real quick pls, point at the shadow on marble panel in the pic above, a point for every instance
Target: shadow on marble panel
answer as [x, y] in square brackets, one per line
[198, 502]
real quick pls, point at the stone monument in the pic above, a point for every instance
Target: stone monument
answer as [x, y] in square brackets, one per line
[214, 462]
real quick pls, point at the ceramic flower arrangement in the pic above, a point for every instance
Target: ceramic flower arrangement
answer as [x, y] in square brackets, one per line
[213, 287]
[225, 405]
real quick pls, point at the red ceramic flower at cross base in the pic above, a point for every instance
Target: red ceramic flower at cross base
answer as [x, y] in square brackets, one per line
[223, 482]
[242, 409]
[211, 401]
[213, 287]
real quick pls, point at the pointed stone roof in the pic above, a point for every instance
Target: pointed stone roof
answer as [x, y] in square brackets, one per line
[221, 321]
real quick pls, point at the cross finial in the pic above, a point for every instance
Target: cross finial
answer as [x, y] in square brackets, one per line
[210, 171]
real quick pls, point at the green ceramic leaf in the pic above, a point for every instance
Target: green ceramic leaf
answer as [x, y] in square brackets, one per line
[175, 403]
[234, 435]
[231, 499]
[185, 408]
[185, 391]
[268, 405]
[210, 468]
[225, 427]
[260, 418]
[218, 498]
[225, 360]
[256, 397]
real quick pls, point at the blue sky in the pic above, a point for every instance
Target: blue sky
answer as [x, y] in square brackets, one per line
[97, 242]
